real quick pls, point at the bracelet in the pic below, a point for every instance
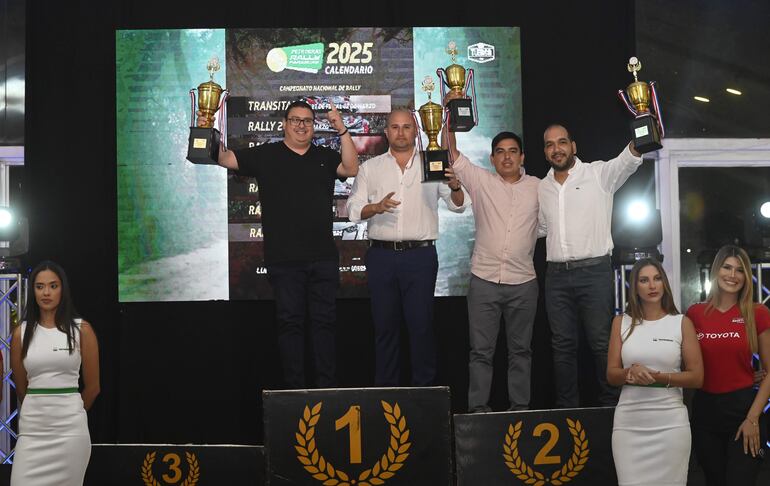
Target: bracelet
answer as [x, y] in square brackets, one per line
[756, 424]
[668, 384]
[455, 190]
[343, 133]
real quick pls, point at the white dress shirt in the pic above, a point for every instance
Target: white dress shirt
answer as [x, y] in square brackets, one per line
[576, 216]
[416, 218]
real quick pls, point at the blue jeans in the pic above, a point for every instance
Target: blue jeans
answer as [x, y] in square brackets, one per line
[301, 287]
[574, 297]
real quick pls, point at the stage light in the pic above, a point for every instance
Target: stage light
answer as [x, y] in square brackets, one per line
[764, 210]
[14, 239]
[638, 211]
[701, 99]
[733, 91]
[6, 217]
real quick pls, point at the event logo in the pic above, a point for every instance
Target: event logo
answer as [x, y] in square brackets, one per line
[323, 471]
[307, 58]
[174, 473]
[566, 472]
[481, 53]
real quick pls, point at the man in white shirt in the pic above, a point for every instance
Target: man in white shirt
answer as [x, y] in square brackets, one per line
[575, 215]
[401, 262]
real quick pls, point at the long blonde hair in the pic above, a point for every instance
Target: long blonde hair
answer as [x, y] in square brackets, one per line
[634, 306]
[746, 296]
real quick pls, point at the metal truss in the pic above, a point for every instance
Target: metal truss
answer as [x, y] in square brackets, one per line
[12, 293]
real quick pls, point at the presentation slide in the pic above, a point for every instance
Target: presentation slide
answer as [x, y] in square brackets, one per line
[193, 232]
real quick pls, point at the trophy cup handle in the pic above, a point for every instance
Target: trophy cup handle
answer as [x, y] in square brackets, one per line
[442, 83]
[222, 117]
[470, 84]
[656, 108]
[192, 109]
[624, 98]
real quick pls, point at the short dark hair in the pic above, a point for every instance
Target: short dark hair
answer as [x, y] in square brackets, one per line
[298, 104]
[505, 136]
[556, 124]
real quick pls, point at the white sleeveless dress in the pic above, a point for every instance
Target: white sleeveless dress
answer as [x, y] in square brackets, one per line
[651, 430]
[54, 445]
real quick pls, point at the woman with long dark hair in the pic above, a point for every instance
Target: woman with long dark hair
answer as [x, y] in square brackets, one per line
[653, 354]
[729, 429]
[48, 350]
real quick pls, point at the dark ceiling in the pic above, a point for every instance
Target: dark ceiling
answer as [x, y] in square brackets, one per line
[700, 48]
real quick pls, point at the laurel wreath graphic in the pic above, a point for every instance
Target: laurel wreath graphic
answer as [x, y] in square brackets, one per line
[566, 473]
[322, 470]
[193, 474]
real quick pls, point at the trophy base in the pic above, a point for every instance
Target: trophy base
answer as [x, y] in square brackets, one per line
[460, 115]
[645, 133]
[434, 163]
[203, 146]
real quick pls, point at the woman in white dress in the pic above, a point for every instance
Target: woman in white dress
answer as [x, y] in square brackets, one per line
[653, 354]
[47, 351]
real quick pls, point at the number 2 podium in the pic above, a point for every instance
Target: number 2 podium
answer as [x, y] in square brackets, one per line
[538, 447]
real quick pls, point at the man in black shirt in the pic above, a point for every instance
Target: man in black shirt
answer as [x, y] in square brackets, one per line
[296, 185]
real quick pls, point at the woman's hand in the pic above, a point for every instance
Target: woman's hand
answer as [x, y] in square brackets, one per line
[640, 375]
[749, 429]
[759, 375]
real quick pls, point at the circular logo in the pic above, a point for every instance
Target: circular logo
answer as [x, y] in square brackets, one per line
[277, 60]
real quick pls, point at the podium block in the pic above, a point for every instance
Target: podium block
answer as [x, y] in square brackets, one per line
[167, 464]
[363, 436]
[569, 446]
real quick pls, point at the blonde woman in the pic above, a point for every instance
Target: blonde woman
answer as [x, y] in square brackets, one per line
[653, 354]
[729, 430]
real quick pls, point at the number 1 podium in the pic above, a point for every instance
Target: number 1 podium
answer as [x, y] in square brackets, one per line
[358, 436]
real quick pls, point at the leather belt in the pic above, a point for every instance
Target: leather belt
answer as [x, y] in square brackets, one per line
[585, 262]
[401, 245]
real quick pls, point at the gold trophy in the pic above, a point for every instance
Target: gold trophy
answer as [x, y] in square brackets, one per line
[435, 160]
[203, 146]
[462, 113]
[641, 100]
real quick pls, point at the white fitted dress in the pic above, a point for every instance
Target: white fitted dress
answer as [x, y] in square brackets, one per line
[651, 430]
[54, 445]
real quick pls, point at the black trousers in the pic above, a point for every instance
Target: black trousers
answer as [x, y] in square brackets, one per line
[575, 297]
[300, 288]
[715, 421]
[401, 285]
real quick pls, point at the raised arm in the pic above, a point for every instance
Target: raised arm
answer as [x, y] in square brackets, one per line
[226, 157]
[349, 165]
[614, 173]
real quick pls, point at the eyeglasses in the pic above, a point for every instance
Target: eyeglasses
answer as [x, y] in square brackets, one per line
[299, 122]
